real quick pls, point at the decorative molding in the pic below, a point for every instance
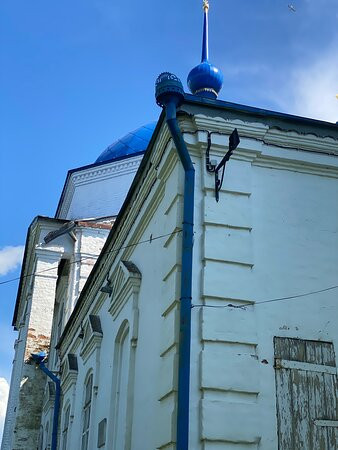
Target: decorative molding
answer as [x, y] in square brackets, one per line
[296, 166]
[92, 175]
[269, 135]
[92, 337]
[68, 381]
[218, 124]
[49, 395]
[68, 197]
[268, 147]
[301, 141]
[126, 285]
[69, 372]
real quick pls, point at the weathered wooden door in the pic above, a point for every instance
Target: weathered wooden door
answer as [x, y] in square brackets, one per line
[306, 384]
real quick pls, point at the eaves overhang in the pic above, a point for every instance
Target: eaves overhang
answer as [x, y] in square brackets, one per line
[286, 122]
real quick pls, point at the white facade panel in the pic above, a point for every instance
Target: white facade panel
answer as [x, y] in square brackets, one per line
[233, 210]
[229, 325]
[272, 234]
[98, 191]
[230, 368]
[230, 422]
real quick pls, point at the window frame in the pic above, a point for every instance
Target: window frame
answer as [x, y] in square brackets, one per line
[65, 428]
[86, 411]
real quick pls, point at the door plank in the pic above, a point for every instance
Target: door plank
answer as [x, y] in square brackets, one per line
[317, 405]
[285, 364]
[284, 410]
[301, 415]
[306, 389]
[330, 411]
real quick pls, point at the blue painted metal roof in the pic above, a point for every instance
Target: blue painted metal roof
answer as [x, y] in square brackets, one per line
[134, 142]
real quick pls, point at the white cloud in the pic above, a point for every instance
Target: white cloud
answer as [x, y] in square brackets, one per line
[313, 87]
[4, 389]
[10, 258]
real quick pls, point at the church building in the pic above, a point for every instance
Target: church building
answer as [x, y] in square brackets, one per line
[185, 294]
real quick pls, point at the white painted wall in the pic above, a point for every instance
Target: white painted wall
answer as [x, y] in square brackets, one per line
[26, 392]
[273, 233]
[98, 191]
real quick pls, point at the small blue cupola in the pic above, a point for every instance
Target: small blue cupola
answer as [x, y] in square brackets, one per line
[205, 79]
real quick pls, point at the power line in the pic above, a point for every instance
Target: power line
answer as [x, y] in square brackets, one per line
[297, 296]
[152, 238]
[230, 305]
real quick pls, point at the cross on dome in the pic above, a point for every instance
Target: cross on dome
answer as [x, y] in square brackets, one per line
[205, 79]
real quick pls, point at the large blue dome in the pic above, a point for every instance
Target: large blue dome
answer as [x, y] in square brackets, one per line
[134, 142]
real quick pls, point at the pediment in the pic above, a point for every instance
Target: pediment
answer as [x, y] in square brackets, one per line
[127, 272]
[69, 371]
[49, 394]
[92, 336]
[125, 283]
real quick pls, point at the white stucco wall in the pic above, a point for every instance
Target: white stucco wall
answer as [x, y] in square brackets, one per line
[152, 340]
[26, 395]
[98, 191]
[272, 234]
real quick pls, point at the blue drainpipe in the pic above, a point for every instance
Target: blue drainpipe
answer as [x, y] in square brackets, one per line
[169, 95]
[39, 359]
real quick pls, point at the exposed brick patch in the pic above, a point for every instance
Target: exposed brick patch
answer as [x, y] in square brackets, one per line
[35, 343]
[103, 226]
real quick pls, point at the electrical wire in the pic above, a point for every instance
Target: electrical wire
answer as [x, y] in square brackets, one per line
[152, 238]
[230, 305]
[209, 133]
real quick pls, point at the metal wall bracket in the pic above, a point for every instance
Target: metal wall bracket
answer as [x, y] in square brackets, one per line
[214, 168]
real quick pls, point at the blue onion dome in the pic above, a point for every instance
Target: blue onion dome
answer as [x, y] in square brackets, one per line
[205, 79]
[132, 143]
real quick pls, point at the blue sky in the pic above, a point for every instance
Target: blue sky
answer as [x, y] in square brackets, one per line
[77, 75]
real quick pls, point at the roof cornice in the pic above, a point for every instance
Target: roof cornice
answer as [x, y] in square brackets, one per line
[286, 122]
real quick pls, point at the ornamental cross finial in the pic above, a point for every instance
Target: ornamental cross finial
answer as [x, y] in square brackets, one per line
[205, 79]
[205, 51]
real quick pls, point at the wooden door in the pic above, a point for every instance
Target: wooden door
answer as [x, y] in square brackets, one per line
[306, 389]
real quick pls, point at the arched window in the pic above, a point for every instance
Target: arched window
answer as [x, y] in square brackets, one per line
[86, 412]
[65, 428]
[122, 354]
